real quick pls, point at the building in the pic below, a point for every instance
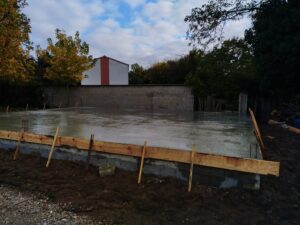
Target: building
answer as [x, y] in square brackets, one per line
[106, 71]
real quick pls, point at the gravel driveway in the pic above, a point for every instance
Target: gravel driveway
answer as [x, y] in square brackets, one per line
[18, 208]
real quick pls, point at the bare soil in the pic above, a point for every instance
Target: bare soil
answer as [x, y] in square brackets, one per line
[118, 199]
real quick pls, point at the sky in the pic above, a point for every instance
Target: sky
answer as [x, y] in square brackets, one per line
[132, 31]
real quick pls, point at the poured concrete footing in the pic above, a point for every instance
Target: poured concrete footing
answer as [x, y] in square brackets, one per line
[202, 175]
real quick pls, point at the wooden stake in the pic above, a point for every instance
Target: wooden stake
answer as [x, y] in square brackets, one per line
[18, 144]
[142, 163]
[44, 107]
[256, 129]
[89, 152]
[191, 168]
[7, 109]
[27, 107]
[52, 147]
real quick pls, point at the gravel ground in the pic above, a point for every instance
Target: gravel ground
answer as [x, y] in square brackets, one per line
[18, 208]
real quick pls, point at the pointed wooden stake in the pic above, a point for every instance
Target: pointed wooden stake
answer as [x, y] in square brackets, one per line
[88, 159]
[191, 168]
[18, 144]
[256, 129]
[52, 147]
[142, 163]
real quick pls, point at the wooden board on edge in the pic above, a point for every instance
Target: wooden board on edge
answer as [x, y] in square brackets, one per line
[248, 165]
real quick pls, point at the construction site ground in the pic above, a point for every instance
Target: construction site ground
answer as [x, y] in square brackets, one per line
[65, 193]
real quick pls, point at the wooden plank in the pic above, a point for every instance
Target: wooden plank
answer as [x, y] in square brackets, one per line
[52, 147]
[21, 135]
[284, 125]
[248, 165]
[191, 168]
[89, 152]
[142, 162]
[293, 129]
[256, 129]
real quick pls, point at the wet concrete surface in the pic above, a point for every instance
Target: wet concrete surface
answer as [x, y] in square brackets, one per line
[217, 133]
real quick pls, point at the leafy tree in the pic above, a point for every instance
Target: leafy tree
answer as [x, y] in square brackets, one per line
[183, 66]
[172, 71]
[64, 61]
[158, 73]
[225, 71]
[275, 38]
[136, 75]
[16, 65]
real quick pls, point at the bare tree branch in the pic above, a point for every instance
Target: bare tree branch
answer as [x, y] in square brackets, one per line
[206, 23]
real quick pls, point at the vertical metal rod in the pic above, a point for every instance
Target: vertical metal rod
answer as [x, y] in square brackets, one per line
[88, 159]
[256, 147]
[21, 135]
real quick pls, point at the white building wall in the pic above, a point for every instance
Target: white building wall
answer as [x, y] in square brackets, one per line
[118, 73]
[92, 76]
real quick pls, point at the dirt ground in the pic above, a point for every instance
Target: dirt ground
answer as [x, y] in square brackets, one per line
[118, 199]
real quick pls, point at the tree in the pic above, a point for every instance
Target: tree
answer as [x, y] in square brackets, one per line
[207, 22]
[275, 39]
[16, 65]
[136, 75]
[158, 73]
[172, 71]
[65, 60]
[224, 71]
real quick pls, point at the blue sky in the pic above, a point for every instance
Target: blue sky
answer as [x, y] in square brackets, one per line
[142, 31]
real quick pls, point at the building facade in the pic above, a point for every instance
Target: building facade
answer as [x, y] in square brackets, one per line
[106, 71]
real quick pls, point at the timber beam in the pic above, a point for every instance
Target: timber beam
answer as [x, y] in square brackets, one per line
[247, 165]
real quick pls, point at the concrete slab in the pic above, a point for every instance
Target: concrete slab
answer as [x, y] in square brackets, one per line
[216, 133]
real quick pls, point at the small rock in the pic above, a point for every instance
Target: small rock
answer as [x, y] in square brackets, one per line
[106, 170]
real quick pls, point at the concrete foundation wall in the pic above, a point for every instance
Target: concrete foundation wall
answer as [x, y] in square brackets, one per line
[201, 175]
[149, 98]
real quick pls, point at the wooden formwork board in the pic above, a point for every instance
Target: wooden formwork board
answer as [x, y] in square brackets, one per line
[248, 165]
[256, 131]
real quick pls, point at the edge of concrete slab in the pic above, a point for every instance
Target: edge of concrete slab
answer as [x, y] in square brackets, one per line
[202, 175]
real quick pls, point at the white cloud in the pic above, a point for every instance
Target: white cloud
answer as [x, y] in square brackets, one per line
[153, 31]
[134, 3]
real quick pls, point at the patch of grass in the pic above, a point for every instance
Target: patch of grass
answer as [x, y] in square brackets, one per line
[50, 196]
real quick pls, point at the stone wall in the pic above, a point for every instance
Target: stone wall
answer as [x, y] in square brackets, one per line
[138, 97]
